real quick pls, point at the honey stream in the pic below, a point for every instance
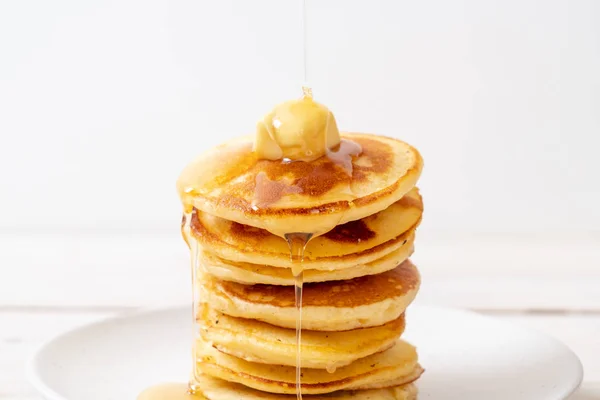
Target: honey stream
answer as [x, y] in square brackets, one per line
[195, 266]
[297, 243]
[182, 391]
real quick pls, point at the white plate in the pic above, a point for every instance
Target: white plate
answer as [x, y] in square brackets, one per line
[466, 356]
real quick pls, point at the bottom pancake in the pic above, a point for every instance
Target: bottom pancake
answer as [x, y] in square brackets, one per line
[218, 389]
[260, 342]
[394, 367]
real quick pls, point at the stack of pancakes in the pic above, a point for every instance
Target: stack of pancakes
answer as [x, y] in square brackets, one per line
[363, 211]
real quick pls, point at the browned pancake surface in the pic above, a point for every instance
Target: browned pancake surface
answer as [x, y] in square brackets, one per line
[351, 237]
[311, 179]
[277, 179]
[351, 293]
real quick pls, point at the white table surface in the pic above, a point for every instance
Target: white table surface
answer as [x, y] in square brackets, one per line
[52, 283]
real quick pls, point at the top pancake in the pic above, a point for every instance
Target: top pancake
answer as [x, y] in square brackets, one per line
[230, 182]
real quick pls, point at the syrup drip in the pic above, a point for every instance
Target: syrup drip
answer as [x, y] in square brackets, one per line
[267, 192]
[343, 154]
[307, 92]
[182, 391]
[196, 265]
[297, 243]
[304, 44]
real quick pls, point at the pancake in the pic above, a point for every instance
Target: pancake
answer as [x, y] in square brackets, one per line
[393, 367]
[324, 263]
[250, 274]
[260, 342]
[230, 182]
[326, 306]
[236, 242]
[218, 389]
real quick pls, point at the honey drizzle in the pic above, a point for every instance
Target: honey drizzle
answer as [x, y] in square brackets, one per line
[305, 46]
[297, 243]
[267, 192]
[195, 266]
[182, 391]
[343, 154]
[307, 92]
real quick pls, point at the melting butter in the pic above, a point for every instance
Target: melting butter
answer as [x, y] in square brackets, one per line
[296, 130]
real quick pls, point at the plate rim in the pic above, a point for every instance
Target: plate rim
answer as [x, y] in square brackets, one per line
[35, 380]
[31, 373]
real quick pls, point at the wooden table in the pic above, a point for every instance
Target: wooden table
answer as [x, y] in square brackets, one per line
[52, 283]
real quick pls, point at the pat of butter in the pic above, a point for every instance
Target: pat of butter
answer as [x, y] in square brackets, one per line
[298, 130]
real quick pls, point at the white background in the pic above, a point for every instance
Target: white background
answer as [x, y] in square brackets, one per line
[103, 102]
